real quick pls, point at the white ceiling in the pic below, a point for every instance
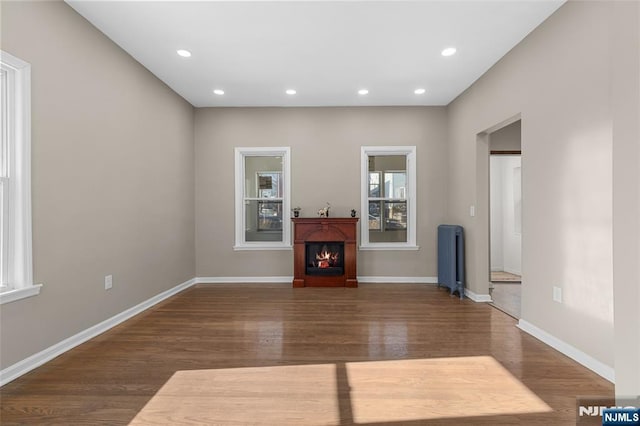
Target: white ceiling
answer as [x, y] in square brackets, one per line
[325, 50]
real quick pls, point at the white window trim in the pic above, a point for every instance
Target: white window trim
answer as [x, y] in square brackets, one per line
[240, 154]
[4, 224]
[19, 240]
[410, 153]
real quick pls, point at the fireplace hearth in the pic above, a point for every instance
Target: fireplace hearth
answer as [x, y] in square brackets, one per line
[324, 252]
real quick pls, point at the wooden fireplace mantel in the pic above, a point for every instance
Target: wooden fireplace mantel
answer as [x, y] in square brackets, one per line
[324, 229]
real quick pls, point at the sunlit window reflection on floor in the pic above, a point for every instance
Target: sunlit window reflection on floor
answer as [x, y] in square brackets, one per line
[334, 394]
[287, 395]
[403, 390]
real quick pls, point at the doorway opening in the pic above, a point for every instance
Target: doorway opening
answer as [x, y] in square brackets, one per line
[505, 212]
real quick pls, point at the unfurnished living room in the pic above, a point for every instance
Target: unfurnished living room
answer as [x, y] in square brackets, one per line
[294, 213]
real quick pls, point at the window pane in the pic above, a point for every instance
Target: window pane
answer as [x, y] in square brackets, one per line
[263, 220]
[262, 202]
[374, 185]
[375, 210]
[269, 185]
[388, 197]
[395, 184]
[393, 221]
[262, 176]
[4, 138]
[394, 170]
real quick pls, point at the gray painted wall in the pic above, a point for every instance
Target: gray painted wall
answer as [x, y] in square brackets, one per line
[626, 195]
[325, 160]
[558, 80]
[112, 179]
[507, 138]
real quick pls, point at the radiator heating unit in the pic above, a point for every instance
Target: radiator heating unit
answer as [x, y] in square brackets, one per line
[451, 258]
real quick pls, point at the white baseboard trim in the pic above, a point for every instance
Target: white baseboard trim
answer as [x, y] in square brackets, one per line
[575, 354]
[22, 367]
[235, 280]
[286, 279]
[34, 361]
[398, 280]
[480, 298]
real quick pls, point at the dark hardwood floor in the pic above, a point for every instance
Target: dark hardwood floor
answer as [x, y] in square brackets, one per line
[270, 354]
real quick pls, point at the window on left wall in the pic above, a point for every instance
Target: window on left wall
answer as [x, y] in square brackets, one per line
[16, 274]
[262, 198]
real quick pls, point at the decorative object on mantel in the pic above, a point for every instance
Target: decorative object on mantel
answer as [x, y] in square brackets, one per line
[353, 212]
[324, 212]
[296, 211]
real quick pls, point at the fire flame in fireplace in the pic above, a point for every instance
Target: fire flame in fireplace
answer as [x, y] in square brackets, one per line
[326, 259]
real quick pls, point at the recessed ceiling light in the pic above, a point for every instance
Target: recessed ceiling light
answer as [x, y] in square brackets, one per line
[218, 92]
[291, 92]
[183, 53]
[363, 92]
[449, 51]
[419, 91]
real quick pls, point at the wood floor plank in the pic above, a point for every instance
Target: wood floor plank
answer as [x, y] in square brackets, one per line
[269, 354]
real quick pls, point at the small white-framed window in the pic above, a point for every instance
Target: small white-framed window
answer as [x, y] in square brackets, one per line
[388, 198]
[16, 272]
[262, 198]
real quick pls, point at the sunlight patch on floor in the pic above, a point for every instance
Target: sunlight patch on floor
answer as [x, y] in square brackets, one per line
[295, 395]
[403, 390]
[333, 394]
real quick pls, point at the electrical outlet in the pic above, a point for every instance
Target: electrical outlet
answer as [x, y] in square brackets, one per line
[557, 294]
[108, 282]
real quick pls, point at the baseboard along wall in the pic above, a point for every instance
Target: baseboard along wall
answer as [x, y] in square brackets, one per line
[36, 360]
[22, 367]
[575, 354]
[479, 298]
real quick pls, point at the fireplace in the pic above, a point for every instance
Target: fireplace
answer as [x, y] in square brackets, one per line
[325, 258]
[324, 252]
